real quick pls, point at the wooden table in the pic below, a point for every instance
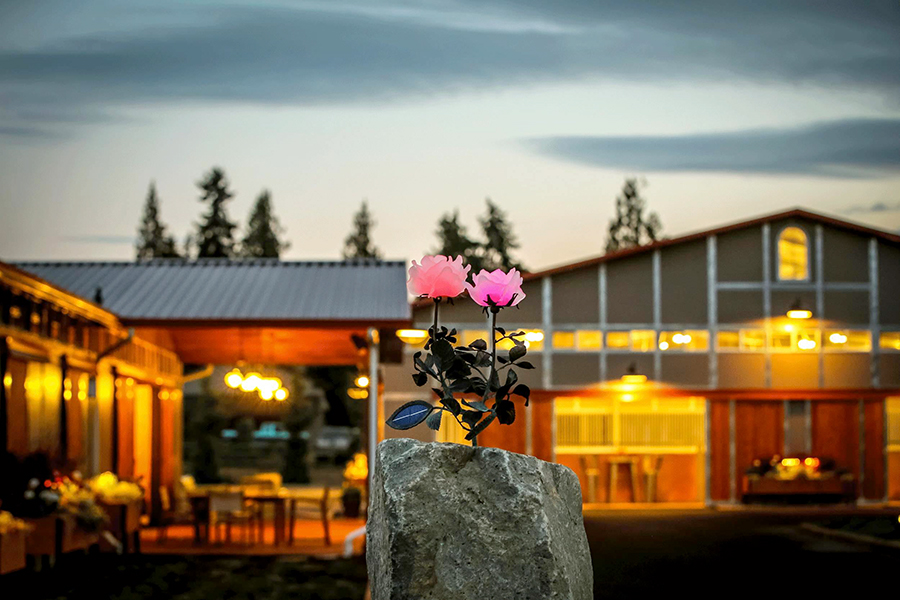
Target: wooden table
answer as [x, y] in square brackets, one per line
[284, 502]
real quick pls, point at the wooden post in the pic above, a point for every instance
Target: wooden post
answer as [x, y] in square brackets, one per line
[4, 434]
[63, 412]
[115, 422]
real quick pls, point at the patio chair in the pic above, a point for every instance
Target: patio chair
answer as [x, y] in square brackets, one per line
[171, 515]
[314, 508]
[229, 508]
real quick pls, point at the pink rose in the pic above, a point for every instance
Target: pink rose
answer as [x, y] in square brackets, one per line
[438, 277]
[504, 289]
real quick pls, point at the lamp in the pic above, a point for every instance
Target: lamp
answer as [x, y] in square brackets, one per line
[632, 376]
[796, 311]
[412, 336]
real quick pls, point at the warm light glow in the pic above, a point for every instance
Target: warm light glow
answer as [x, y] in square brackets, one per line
[681, 338]
[664, 345]
[812, 462]
[799, 313]
[7, 380]
[806, 344]
[788, 327]
[251, 382]
[281, 394]
[627, 397]
[268, 384]
[534, 336]
[837, 338]
[129, 381]
[266, 394]
[790, 462]
[234, 379]
[412, 336]
[358, 393]
[793, 255]
[362, 381]
[634, 379]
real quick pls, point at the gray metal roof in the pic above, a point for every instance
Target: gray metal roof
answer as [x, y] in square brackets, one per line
[257, 290]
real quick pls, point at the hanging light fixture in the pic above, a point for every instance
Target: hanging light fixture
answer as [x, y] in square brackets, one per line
[797, 311]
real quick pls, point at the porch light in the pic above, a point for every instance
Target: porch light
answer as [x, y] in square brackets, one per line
[796, 311]
[266, 395]
[837, 338]
[281, 394]
[234, 379]
[534, 336]
[634, 379]
[806, 344]
[412, 336]
[362, 381]
[251, 382]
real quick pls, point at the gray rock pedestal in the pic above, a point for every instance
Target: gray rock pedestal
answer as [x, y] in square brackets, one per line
[452, 522]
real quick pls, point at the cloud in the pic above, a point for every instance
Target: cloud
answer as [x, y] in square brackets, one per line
[851, 148]
[874, 207]
[310, 53]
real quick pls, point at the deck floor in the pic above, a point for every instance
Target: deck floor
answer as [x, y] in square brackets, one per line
[308, 540]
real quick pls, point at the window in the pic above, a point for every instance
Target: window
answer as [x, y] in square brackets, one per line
[890, 340]
[688, 341]
[470, 335]
[563, 339]
[745, 340]
[618, 340]
[588, 339]
[793, 255]
[643, 340]
[848, 341]
[787, 340]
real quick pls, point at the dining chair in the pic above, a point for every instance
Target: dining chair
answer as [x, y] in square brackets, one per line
[171, 515]
[228, 508]
[313, 508]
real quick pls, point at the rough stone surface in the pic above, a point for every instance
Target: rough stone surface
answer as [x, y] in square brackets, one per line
[452, 522]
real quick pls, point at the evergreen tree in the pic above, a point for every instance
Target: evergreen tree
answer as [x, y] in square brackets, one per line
[454, 241]
[359, 243]
[153, 241]
[499, 240]
[263, 231]
[631, 227]
[215, 235]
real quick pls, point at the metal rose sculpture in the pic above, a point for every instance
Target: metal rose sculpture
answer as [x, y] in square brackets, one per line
[471, 384]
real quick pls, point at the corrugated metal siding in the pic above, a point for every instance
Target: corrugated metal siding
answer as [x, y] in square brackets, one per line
[253, 290]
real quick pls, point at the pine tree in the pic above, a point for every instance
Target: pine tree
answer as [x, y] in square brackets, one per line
[215, 235]
[359, 243]
[454, 241]
[153, 241]
[631, 227]
[263, 231]
[499, 240]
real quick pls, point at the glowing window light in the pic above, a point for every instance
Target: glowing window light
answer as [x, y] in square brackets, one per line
[281, 394]
[362, 381]
[837, 338]
[234, 379]
[268, 384]
[664, 345]
[806, 344]
[793, 255]
[358, 393]
[412, 336]
[790, 462]
[534, 336]
[266, 394]
[634, 379]
[563, 339]
[7, 380]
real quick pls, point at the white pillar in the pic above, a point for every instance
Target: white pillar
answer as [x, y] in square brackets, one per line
[375, 411]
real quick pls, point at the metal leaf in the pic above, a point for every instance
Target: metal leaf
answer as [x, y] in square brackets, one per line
[409, 415]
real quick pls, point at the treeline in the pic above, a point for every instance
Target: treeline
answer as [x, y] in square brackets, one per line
[215, 235]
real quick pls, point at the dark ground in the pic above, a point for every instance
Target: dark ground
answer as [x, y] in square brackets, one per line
[733, 554]
[698, 554]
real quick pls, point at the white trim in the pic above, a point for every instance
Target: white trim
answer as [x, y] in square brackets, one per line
[547, 325]
[712, 307]
[604, 300]
[767, 297]
[820, 295]
[657, 313]
[803, 286]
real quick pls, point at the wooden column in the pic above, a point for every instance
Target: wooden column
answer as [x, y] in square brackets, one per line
[114, 451]
[4, 420]
[63, 412]
[156, 456]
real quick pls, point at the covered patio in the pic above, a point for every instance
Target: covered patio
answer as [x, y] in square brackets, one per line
[231, 312]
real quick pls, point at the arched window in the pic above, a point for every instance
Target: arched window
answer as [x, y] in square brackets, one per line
[793, 255]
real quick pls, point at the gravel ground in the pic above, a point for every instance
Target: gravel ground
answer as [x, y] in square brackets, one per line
[102, 577]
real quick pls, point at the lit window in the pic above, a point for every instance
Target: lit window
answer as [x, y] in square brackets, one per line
[793, 255]
[792, 339]
[728, 340]
[563, 339]
[848, 341]
[753, 340]
[890, 340]
[534, 339]
[589, 339]
[643, 340]
[470, 335]
[618, 339]
[689, 341]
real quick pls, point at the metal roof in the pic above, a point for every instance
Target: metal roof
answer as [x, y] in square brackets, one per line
[239, 291]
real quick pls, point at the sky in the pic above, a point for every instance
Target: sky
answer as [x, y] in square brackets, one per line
[727, 110]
